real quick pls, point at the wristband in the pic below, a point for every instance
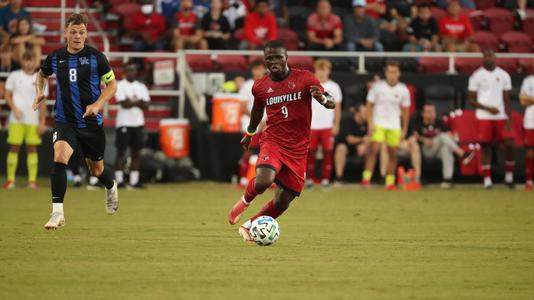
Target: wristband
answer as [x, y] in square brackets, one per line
[250, 133]
[324, 100]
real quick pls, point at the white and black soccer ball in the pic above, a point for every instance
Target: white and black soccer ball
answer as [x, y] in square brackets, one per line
[264, 231]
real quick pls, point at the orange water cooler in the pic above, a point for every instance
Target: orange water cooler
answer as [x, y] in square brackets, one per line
[174, 137]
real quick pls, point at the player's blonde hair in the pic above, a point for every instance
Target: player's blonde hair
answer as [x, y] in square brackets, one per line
[322, 64]
[77, 19]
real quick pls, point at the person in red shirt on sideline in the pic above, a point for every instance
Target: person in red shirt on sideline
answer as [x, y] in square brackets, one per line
[456, 30]
[260, 26]
[149, 28]
[186, 33]
[375, 8]
[325, 30]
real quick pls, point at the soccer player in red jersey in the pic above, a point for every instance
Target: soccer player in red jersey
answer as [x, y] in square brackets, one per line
[286, 95]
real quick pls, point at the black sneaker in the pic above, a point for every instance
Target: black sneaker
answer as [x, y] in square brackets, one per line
[510, 185]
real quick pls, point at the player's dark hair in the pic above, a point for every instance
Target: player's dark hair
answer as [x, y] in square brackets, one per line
[392, 63]
[19, 20]
[130, 63]
[429, 104]
[262, 1]
[274, 44]
[77, 19]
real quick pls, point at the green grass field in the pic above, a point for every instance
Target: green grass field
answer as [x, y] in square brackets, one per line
[173, 242]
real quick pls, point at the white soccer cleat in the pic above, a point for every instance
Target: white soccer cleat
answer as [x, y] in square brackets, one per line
[57, 219]
[112, 199]
[244, 231]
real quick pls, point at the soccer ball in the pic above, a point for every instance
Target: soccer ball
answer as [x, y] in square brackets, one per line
[264, 231]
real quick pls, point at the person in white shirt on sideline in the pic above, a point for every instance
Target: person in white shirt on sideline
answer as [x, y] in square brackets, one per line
[132, 97]
[388, 108]
[258, 70]
[25, 124]
[526, 97]
[489, 92]
[324, 125]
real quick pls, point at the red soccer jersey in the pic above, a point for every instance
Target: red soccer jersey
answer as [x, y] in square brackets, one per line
[153, 24]
[258, 30]
[288, 105]
[324, 28]
[460, 28]
[187, 23]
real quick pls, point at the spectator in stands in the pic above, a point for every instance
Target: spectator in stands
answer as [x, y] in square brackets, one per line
[351, 140]
[489, 92]
[148, 28]
[235, 11]
[324, 28]
[423, 31]
[470, 4]
[375, 9]
[522, 9]
[9, 15]
[215, 28]
[186, 33]
[324, 125]
[361, 31]
[437, 142]
[260, 26]
[23, 40]
[168, 9]
[456, 30]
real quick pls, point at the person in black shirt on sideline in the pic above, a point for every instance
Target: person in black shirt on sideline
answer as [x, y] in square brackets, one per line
[423, 32]
[352, 139]
[437, 142]
[79, 70]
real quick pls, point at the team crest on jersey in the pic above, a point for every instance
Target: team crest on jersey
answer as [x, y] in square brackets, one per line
[83, 60]
[291, 85]
[270, 90]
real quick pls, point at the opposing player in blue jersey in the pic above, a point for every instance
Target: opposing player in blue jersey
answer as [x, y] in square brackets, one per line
[79, 70]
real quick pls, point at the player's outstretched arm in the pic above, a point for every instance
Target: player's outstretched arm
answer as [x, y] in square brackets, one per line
[325, 99]
[40, 82]
[256, 115]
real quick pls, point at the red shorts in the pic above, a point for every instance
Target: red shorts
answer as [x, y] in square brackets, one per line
[493, 130]
[322, 137]
[290, 168]
[529, 137]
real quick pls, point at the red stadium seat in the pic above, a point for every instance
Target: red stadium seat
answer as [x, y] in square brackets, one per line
[510, 65]
[467, 65]
[438, 13]
[464, 123]
[476, 17]
[301, 62]
[413, 105]
[434, 64]
[500, 20]
[486, 40]
[126, 9]
[200, 63]
[517, 42]
[231, 63]
[527, 65]
[252, 58]
[485, 4]
[289, 37]
[528, 23]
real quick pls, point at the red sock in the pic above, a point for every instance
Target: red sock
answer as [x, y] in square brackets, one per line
[311, 164]
[509, 166]
[327, 165]
[268, 210]
[529, 168]
[486, 170]
[250, 192]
